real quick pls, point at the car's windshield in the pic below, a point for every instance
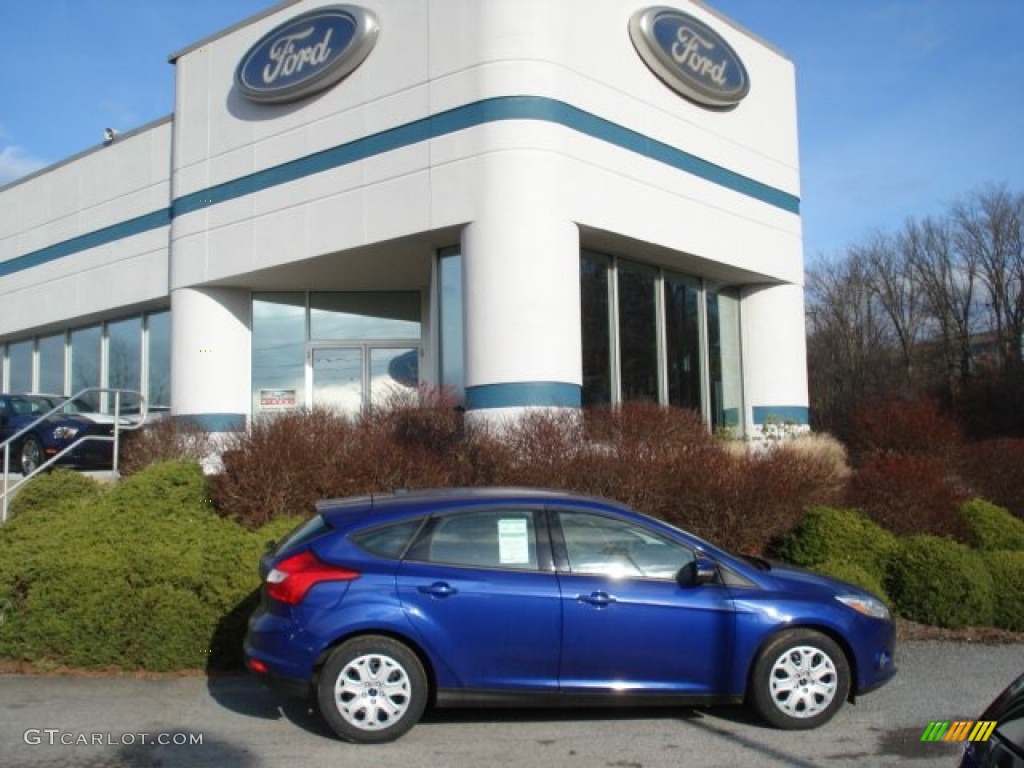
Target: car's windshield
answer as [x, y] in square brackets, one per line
[28, 405]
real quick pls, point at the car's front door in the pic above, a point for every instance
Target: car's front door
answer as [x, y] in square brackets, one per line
[479, 588]
[627, 622]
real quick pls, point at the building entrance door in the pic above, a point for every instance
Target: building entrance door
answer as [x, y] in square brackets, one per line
[351, 377]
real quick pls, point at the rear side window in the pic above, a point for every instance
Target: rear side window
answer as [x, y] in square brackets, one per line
[388, 541]
[308, 531]
[505, 538]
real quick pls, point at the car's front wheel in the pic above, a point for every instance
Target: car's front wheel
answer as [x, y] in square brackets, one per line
[800, 680]
[372, 689]
[30, 455]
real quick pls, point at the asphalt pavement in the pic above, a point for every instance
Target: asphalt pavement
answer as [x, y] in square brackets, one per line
[232, 722]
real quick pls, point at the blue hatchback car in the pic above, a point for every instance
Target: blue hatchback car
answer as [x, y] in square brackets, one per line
[379, 606]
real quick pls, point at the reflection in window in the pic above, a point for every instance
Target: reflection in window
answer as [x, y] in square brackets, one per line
[124, 360]
[597, 364]
[682, 342]
[85, 363]
[278, 350]
[724, 357]
[51, 364]
[364, 315]
[393, 372]
[158, 388]
[649, 334]
[638, 333]
[449, 310]
[600, 545]
[19, 357]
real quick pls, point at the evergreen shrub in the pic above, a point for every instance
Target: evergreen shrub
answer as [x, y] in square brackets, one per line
[143, 575]
[941, 582]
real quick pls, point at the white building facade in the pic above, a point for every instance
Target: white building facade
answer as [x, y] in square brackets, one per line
[535, 203]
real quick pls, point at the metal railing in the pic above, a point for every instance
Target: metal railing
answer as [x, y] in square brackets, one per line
[119, 426]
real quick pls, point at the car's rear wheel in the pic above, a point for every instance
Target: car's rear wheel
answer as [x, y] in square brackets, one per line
[372, 689]
[800, 680]
[30, 455]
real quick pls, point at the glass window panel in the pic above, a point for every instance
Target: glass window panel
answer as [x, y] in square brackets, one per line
[51, 364]
[487, 539]
[682, 342]
[278, 351]
[450, 320]
[19, 356]
[638, 340]
[600, 545]
[595, 329]
[124, 360]
[724, 358]
[365, 315]
[85, 363]
[338, 378]
[393, 372]
[158, 388]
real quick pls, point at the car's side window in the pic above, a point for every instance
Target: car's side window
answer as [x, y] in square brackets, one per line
[493, 538]
[388, 541]
[600, 545]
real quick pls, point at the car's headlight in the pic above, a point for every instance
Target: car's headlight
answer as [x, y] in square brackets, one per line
[869, 606]
[64, 433]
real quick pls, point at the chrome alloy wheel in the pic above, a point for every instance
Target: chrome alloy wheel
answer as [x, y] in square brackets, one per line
[803, 681]
[372, 692]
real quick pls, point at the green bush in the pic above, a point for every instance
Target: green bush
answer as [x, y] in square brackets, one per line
[144, 576]
[855, 574]
[940, 582]
[51, 492]
[1007, 570]
[992, 527]
[833, 535]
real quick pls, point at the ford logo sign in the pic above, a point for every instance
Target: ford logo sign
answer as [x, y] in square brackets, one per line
[306, 54]
[689, 57]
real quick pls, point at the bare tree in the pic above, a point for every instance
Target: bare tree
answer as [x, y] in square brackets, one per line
[989, 230]
[891, 282]
[947, 278]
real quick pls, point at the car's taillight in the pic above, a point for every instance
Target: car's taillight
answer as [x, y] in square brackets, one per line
[292, 578]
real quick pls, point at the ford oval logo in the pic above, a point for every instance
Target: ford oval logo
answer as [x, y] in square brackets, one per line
[306, 54]
[689, 56]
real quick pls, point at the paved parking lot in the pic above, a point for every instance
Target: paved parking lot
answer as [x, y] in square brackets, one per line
[242, 725]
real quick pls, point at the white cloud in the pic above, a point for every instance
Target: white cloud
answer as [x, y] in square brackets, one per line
[15, 162]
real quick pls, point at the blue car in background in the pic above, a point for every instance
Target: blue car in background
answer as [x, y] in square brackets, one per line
[381, 605]
[54, 434]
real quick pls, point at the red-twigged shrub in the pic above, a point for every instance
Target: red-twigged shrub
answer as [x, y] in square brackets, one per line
[657, 460]
[904, 427]
[166, 439]
[994, 470]
[910, 495]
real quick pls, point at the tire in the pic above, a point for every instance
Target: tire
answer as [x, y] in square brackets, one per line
[30, 454]
[372, 690]
[800, 680]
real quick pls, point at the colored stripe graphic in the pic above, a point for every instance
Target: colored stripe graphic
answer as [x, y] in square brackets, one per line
[935, 731]
[959, 730]
[982, 730]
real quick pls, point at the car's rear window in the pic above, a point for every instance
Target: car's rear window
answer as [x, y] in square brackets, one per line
[307, 531]
[388, 541]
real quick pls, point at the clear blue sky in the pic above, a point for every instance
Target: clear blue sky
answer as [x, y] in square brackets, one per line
[905, 105]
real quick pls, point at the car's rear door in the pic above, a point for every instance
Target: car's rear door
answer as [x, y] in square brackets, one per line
[628, 624]
[479, 588]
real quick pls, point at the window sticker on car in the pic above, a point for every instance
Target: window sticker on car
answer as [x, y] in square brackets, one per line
[513, 542]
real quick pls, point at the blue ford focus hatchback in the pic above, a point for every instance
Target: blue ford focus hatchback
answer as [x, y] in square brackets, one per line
[379, 606]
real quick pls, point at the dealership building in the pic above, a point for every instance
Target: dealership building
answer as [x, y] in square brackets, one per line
[536, 203]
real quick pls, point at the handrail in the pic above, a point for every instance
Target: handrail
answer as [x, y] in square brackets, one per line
[114, 438]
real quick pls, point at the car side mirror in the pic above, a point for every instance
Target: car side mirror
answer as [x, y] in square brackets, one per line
[697, 572]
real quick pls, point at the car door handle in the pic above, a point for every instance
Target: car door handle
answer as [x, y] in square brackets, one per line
[438, 589]
[600, 599]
